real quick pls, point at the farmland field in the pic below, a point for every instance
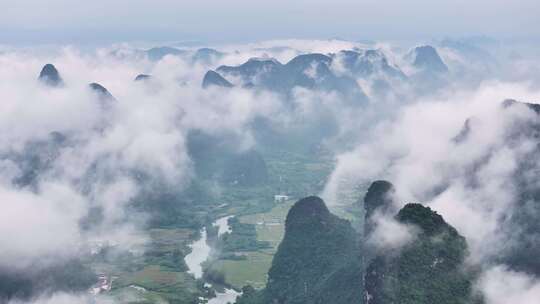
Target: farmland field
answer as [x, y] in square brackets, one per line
[254, 265]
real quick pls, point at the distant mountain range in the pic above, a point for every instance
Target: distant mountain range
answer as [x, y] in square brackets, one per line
[338, 72]
[354, 74]
[204, 56]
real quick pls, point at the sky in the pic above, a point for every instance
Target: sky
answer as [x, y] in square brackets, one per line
[105, 21]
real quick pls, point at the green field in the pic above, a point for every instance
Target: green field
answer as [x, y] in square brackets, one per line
[270, 225]
[159, 276]
[245, 272]
[253, 269]
[159, 283]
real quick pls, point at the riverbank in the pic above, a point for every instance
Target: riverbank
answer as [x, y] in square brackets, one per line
[200, 253]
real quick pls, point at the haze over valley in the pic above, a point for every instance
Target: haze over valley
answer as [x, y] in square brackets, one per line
[270, 167]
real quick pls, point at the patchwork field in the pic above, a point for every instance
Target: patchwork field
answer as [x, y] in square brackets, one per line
[270, 225]
[160, 274]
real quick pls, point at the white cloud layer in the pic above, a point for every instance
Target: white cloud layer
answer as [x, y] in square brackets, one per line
[407, 138]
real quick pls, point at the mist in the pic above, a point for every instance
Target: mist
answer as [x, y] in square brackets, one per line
[447, 141]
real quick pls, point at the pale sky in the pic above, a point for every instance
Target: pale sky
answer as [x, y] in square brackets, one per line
[51, 21]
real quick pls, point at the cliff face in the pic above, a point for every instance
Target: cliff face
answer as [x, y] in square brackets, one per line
[379, 197]
[318, 259]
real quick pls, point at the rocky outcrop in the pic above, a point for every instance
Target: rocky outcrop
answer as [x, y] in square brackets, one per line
[318, 259]
[427, 59]
[427, 269]
[142, 77]
[102, 93]
[50, 76]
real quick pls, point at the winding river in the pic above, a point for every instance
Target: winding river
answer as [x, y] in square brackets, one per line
[200, 251]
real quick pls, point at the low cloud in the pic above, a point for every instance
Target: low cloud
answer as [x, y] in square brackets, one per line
[471, 182]
[390, 235]
[501, 285]
[72, 163]
[103, 152]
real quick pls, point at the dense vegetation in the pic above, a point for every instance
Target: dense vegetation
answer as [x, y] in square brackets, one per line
[24, 284]
[318, 253]
[320, 259]
[426, 270]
